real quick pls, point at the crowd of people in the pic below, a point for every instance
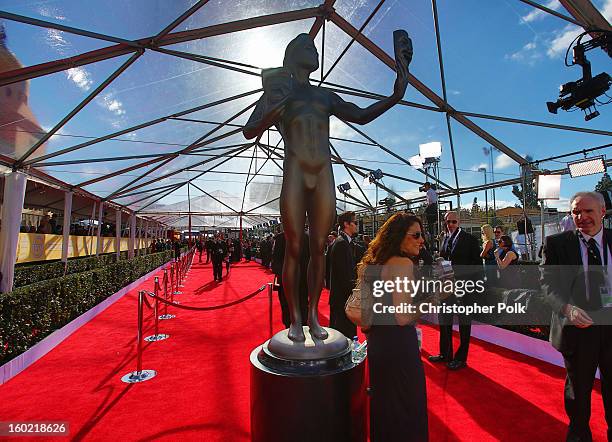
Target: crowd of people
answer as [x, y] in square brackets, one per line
[400, 250]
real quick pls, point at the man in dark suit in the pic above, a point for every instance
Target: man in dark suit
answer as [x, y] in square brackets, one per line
[342, 275]
[578, 288]
[463, 251]
[218, 254]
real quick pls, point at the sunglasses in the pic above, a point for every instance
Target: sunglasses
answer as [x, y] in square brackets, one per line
[451, 221]
[416, 235]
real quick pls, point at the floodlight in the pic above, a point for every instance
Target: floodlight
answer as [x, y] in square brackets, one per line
[549, 187]
[416, 161]
[588, 166]
[375, 175]
[344, 187]
[430, 150]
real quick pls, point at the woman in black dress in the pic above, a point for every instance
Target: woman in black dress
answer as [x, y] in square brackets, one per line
[398, 407]
[506, 258]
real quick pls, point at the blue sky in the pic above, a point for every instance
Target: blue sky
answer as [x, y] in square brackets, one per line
[500, 57]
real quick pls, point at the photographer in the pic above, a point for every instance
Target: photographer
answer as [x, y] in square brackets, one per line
[431, 211]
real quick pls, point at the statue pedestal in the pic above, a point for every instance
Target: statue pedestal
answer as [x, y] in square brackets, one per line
[310, 400]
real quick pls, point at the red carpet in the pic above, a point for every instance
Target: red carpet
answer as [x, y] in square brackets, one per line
[201, 391]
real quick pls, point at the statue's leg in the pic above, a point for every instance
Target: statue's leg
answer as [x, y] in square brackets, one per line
[321, 209]
[293, 213]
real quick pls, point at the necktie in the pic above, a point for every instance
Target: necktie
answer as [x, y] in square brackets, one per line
[595, 275]
[449, 244]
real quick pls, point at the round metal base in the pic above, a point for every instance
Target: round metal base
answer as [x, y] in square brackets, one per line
[280, 346]
[142, 376]
[155, 338]
[168, 316]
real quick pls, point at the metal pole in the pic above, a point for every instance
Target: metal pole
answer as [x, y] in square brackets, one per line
[486, 198]
[524, 181]
[189, 211]
[270, 288]
[542, 221]
[493, 180]
[376, 210]
[139, 335]
[139, 375]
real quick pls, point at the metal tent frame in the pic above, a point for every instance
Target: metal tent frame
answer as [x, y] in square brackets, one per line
[582, 13]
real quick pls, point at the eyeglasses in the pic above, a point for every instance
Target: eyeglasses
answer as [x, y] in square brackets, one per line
[451, 221]
[498, 232]
[416, 235]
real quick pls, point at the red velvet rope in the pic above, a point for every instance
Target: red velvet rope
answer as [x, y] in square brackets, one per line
[216, 307]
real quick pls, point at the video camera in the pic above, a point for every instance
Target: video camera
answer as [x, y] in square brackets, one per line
[422, 188]
[584, 92]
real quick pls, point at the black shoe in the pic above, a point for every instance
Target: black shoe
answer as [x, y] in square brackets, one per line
[437, 358]
[456, 365]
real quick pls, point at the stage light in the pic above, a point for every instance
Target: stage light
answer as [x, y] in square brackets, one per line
[345, 187]
[588, 166]
[430, 150]
[416, 161]
[549, 187]
[375, 175]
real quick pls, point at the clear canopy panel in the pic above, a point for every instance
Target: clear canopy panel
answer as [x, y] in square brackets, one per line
[180, 116]
[127, 20]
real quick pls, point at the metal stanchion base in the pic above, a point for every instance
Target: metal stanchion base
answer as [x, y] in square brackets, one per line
[168, 316]
[176, 302]
[142, 376]
[158, 337]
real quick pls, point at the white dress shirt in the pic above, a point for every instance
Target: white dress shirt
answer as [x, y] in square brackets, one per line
[432, 196]
[603, 248]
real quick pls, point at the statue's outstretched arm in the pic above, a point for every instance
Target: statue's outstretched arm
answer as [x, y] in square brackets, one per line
[353, 113]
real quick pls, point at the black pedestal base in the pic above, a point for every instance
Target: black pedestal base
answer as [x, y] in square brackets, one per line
[307, 402]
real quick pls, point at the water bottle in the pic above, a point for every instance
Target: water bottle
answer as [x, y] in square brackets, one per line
[354, 349]
[362, 351]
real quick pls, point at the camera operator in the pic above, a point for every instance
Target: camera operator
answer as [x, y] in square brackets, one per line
[431, 211]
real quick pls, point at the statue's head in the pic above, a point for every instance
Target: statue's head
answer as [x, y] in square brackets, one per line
[301, 53]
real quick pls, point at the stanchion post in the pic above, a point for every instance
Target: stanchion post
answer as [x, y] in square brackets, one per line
[270, 288]
[166, 315]
[156, 308]
[139, 375]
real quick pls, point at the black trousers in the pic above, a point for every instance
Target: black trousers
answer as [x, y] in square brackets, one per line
[591, 348]
[283, 303]
[339, 321]
[446, 336]
[431, 215]
[208, 255]
[303, 300]
[218, 270]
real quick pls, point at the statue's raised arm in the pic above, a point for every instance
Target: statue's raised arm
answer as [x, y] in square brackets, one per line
[277, 89]
[353, 113]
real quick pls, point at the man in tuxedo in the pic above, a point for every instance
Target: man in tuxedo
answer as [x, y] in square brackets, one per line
[463, 251]
[578, 285]
[342, 274]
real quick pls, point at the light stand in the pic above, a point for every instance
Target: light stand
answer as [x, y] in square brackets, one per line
[484, 169]
[373, 177]
[430, 154]
[549, 188]
[343, 188]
